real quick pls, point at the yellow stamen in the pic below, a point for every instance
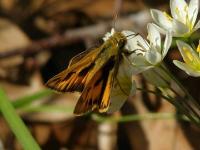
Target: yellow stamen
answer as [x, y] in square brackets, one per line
[177, 11]
[188, 23]
[198, 48]
[188, 55]
[186, 8]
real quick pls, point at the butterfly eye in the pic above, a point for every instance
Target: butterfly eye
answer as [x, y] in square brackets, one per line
[122, 43]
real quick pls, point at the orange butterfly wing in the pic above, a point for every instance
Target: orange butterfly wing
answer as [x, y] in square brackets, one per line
[96, 94]
[74, 77]
[92, 73]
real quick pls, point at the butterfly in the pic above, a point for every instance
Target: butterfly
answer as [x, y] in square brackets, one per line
[92, 73]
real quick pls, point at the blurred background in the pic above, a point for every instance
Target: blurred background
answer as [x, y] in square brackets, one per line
[37, 40]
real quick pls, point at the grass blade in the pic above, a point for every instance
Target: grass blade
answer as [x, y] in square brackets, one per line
[16, 124]
[21, 102]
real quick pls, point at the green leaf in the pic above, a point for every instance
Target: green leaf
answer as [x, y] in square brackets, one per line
[23, 101]
[16, 124]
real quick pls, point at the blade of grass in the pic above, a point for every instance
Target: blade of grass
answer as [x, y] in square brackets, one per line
[16, 124]
[100, 118]
[138, 117]
[23, 101]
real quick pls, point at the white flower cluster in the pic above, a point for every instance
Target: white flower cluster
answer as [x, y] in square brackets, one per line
[182, 22]
[149, 54]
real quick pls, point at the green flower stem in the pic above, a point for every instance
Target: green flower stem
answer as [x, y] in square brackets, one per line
[173, 45]
[179, 104]
[153, 92]
[191, 42]
[192, 106]
[16, 124]
[167, 96]
[138, 117]
[172, 101]
[99, 118]
[181, 86]
[195, 36]
[21, 102]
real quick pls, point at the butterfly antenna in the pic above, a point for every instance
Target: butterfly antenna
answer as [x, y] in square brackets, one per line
[117, 10]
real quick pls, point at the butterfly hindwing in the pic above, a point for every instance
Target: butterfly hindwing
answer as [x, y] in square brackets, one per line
[96, 94]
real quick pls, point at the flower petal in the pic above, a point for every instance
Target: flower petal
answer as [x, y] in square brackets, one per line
[140, 69]
[178, 10]
[153, 57]
[179, 28]
[161, 30]
[128, 33]
[135, 43]
[167, 44]
[138, 60]
[162, 20]
[188, 54]
[154, 36]
[193, 11]
[190, 71]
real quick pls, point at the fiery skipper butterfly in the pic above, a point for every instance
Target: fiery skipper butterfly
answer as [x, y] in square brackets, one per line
[92, 72]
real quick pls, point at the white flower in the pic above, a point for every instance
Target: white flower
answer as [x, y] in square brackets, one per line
[148, 55]
[191, 59]
[145, 56]
[182, 22]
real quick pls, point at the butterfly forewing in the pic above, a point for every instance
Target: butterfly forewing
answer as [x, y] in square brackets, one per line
[93, 73]
[85, 55]
[74, 77]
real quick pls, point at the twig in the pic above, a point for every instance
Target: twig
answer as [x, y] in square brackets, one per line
[139, 117]
[72, 36]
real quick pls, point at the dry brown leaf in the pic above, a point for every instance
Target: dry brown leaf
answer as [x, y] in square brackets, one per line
[11, 38]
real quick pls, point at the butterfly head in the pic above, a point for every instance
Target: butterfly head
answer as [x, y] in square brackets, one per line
[120, 39]
[117, 37]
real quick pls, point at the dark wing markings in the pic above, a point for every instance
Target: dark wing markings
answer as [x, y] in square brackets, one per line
[96, 93]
